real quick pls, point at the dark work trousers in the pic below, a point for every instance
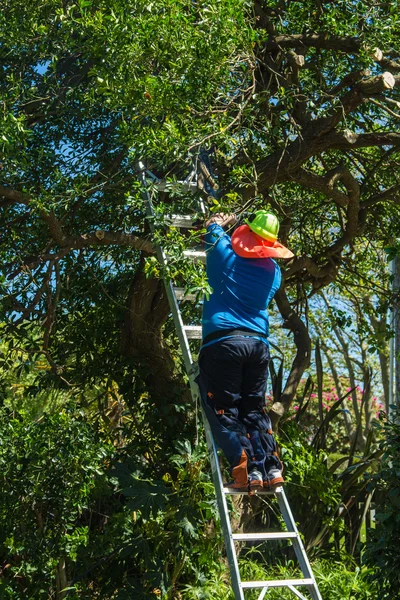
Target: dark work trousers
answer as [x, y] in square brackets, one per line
[233, 380]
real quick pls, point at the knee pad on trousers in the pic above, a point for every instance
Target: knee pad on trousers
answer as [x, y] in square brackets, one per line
[229, 434]
[260, 429]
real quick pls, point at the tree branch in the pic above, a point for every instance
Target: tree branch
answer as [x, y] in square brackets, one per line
[388, 64]
[108, 238]
[13, 196]
[315, 40]
[341, 173]
[322, 275]
[392, 193]
[51, 307]
[348, 80]
[27, 310]
[384, 108]
[348, 140]
[319, 135]
[320, 183]
[301, 361]
[94, 238]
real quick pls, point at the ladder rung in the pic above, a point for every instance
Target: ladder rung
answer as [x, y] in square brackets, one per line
[184, 186]
[271, 535]
[263, 491]
[195, 255]
[184, 221]
[276, 583]
[181, 295]
[193, 332]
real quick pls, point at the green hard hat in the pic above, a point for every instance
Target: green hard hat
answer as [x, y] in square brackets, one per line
[264, 224]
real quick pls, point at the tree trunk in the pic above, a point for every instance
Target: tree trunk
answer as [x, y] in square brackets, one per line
[379, 327]
[301, 361]
[346, 413]
[367, 399]
[61, 579]
[142, 340]
[350, 369]
[396, 327]
[384, 364]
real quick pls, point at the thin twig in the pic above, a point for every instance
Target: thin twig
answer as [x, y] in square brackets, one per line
[385, 108]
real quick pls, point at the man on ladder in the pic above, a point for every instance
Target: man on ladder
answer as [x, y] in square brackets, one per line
[233, 375]
[234, 356]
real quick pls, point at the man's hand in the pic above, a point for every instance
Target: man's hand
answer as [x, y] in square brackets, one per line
[222, 219]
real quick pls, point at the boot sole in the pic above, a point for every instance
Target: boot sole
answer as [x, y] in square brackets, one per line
[274, 482]
[236, 487]
[256, 485]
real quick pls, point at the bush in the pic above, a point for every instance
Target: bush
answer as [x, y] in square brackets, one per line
[49, 471]
[336, 581]
[137, 530]
[382, 548]
[313, 491]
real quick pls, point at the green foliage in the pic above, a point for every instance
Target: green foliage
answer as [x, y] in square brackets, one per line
[394, 250]
[344, 580]
[306, 466]
[149, 526]
[172, 541]
[50, 469]
[314, 488]
[132, 532]
[336, 580]
[330, 493]
[382, 552]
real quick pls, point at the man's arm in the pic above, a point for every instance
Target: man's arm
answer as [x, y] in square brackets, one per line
[216, 236]
[215, 232]
[217, 245]
[222, 219]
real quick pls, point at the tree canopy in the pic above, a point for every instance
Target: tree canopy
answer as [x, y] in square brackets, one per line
[299, 99]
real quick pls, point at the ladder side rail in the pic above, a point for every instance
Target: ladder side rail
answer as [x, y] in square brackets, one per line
[221, 498]
[179, 326]
[223, 512]
[263, 593]
[297, 593]
[176, 314]
[298, 544]
[216, 472]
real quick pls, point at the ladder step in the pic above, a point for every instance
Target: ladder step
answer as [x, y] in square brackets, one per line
[181, 295]
[193, 332]
[275, 535]
[263, 491]
[183, 186]
[276, 583]
[195, 255]
[184, 221]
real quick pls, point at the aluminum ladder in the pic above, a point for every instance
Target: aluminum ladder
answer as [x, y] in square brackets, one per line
[190, 332]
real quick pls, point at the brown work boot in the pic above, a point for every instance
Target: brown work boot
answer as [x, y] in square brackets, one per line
[274, 478]
[237, 486]
[255, 480]
[240, 477]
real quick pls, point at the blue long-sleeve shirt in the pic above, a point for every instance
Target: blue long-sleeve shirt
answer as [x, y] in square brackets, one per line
[242, 287]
